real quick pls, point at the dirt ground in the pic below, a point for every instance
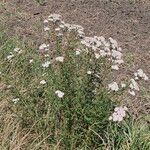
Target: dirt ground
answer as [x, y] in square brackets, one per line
[127, 21]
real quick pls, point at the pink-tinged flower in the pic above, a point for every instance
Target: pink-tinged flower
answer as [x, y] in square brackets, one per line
[45, 21]
[118, 114]
[43, 46]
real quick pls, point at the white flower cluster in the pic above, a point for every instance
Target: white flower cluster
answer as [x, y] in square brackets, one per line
[139, 74]
[16, 50]
[54, 17]
[104, 48]
[59, 93]
[44, 47]
[113, 86]
[43, 82]
[9, 57]
[101, 47]
[46, 64]
[133, 87]
[60, 58]
[15, 100]
[63, 26]
[119, 114]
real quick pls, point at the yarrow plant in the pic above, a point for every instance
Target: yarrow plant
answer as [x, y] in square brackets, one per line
[65, 97]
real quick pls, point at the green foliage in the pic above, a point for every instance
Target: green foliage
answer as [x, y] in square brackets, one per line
[41, 2]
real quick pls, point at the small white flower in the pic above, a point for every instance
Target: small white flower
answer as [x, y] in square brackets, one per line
[119, 61]
[9, 86]
[97, 56]
[30, 61]
[113, 86]
[125, 108]
[131, 92]
[60, 59]
[118, 114]
[134, 85]
[42, 46]
[116, 54]
[59, 93]
[0, 72]
[16, 49]
[46, 64]
[115, 67]
[110, 118]
[9, 57]
[59, 34]
[78, 52]
[45, 21]
[145, 77]
[141, 74]
[123, 85]
[46, 55]
[46, 28]
[89, 72]
[20, 52]
[15, 100]
[54, 17]
[43, 82]
[62, 26]
[103, 53]
[57, 29]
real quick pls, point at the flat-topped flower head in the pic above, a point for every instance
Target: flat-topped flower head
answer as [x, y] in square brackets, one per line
[46, 64]
[43, 82]
[60, 58]
[118, 114]
[9, 57]
[59, 93]
[15, 100]
[45, 21]
[16, 49]
[113, 86]
[31, 61]
[78, 52]
[134, 85]
[131, 92]
[43, 47]
[89, 72]
[46, 28]
[115, 67]
[140, 74]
